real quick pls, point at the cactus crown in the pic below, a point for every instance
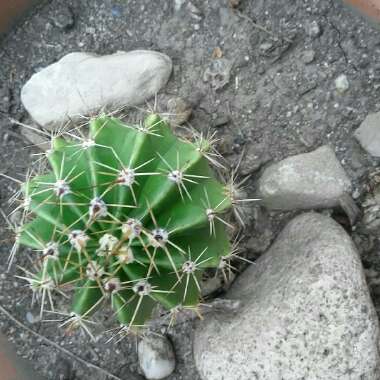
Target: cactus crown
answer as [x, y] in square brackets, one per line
[129, 216]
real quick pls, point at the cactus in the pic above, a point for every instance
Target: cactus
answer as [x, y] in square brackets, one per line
[129, 216]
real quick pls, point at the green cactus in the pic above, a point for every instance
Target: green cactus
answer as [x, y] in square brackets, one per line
[129, 216]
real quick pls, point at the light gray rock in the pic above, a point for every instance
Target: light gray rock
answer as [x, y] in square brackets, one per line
[368, 134]
[218, 73]
[308, 56]
[313, 29]
[305, 181]
[306, 313]
[266, 46]
[84, 83]
[156, 357]
[64, 18]
[342, 84]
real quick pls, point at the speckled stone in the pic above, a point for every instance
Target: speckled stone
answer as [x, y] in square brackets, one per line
[306, 313]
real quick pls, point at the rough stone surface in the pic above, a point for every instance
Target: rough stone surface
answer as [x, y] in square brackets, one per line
[306, 313]
[82, 83]
[368, 134]
[305, 181]
[156, 357]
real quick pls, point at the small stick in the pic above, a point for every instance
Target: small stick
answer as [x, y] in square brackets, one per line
[260, 27]
[59, 348]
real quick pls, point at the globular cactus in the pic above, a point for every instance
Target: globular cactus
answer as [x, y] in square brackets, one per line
[129, 216]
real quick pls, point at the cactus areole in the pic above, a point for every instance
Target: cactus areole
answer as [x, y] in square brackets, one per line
[127, 217]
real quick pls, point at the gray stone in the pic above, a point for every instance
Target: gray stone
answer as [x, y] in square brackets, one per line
[368, 134]
[220, 120]
[178, 4]
[29, 317]
[313, 29]
[218, 73]
[342, 84]
[64, 19]
[305, 181]
[211, 285]
[5, 99]
[255, 157]
[305, 313]
[84, 83]
[32, 318]
[179, 110]
[266, 46]
[308, 56]
[156, 357]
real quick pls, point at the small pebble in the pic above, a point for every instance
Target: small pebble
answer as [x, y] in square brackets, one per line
[220, 121]
[368, 134]
[179, 110]
[31, 318]
[341, 83]
[5, 99]
[211, 285]
[193, 9]
[313, 29]
[64, 19]
[261, 70]
[266, 46]
[218, 73]
[356, 194]
[116, 11]
[308, 56]
[178, 4]
[156, 357]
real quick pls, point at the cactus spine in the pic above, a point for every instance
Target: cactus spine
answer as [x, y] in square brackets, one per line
[129, 216]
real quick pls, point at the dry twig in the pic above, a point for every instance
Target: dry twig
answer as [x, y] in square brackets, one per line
[263, 29]
[58, 347]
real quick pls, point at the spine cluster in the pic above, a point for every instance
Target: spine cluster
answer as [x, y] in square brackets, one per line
[129, 216]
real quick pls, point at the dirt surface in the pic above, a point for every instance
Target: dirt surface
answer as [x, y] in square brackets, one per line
[271, 93]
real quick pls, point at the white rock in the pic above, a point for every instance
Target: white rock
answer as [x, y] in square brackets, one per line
[313, 29]
[29, 317]
[83, 83]
[306, 313]
[266, 46]
[342, 84]
[368, 134]
[178, 4]
[305, 181]
[308, 56]
[156, 357]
